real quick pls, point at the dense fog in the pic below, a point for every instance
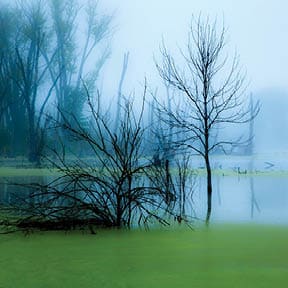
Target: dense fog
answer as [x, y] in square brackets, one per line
[138, 103]
[257, 30]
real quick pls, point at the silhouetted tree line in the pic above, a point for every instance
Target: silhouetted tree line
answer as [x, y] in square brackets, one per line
[42, 63]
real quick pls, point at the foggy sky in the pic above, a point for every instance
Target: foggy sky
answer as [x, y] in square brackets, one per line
[257, 29]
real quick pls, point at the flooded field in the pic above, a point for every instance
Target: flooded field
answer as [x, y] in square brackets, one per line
[245, 190]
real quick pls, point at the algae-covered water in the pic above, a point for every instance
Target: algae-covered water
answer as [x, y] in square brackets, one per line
[251, 254]
[229, 256]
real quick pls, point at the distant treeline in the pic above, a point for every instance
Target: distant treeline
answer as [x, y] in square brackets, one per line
[42, 66]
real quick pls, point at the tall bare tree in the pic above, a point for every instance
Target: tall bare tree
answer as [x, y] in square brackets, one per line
[70, 56]
[40, 57]
[31, 39]
[211, 87]
[12, 108]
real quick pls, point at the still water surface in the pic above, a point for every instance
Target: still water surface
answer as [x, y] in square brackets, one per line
[259, 197]
[247, 199]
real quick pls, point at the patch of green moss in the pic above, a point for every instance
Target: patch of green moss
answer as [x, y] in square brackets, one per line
[242, 256]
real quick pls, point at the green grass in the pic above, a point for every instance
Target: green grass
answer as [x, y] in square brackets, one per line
[26, 172]
[241, 256]
[30, 172]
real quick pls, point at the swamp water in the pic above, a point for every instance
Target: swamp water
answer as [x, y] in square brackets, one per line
[238, 196]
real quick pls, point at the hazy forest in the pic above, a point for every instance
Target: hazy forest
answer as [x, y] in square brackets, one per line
[190, 151]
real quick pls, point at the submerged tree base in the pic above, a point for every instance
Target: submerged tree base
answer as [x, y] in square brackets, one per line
[28, 225]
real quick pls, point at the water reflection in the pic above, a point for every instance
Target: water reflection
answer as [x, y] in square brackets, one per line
[12, 190]
[255, 199]
[236, 198]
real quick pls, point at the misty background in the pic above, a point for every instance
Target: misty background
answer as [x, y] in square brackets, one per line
[257, 30]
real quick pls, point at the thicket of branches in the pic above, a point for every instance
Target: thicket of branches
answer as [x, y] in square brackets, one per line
[117, 186]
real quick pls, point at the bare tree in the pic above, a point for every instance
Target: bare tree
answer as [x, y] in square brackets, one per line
[120, 96]
[12, 108]
[111, 189]
[32, 74]
[70, 57]
[211, 87]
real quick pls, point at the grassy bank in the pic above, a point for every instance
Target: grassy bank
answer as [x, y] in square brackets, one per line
[223, 257]
[26, 172]
[31, 172]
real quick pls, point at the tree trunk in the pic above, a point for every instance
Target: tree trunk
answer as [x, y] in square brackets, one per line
[129, 191]
[209, 190]
[32, 140]
[118, 211]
